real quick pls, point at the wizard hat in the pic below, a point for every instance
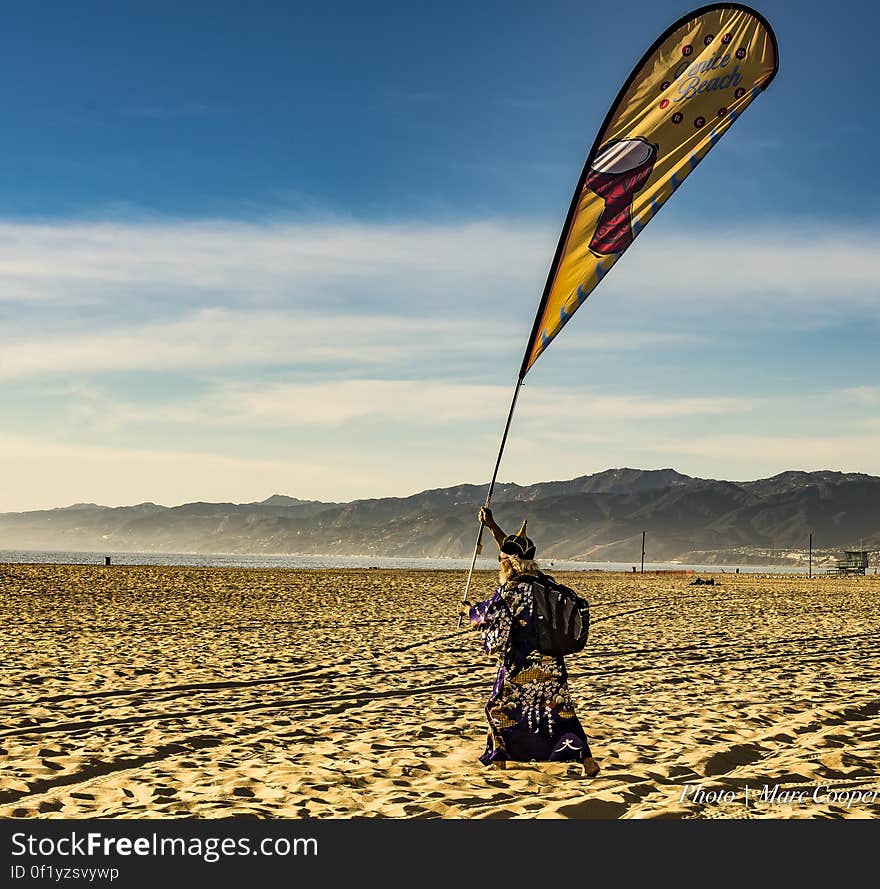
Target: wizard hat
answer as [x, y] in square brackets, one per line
[518, 544]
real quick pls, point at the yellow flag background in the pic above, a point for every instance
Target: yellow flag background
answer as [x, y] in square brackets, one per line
[690, 86]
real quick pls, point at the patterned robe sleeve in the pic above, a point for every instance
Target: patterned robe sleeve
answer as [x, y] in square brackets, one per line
[493, 619]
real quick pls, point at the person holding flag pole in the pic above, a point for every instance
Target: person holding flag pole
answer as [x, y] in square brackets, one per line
[530, 711]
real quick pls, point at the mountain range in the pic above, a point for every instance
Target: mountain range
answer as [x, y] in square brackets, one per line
[597, 517]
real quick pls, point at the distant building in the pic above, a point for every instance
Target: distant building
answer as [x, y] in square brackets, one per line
[854, 561]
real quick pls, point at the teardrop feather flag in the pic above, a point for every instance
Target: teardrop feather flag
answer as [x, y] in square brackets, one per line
[682, 97]
[690, 86]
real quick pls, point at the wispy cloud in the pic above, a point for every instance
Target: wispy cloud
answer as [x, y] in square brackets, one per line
[231, 340]
[249, 263]
[843, 450]
[403, 403]
[141, 296]
[376, 341]
[426, 269]
[772, 269]
[219, 338]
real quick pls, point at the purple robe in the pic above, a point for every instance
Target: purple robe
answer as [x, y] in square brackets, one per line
[530, 711]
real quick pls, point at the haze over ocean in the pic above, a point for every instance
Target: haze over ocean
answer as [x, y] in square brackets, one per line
[321, 562]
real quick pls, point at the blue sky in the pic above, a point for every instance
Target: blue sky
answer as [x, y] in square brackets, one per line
[248, 248]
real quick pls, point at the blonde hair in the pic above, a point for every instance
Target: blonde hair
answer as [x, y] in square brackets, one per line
[514, 566]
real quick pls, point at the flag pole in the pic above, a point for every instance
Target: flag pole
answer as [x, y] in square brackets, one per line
[529, 357]
[526, 362]
[479, 544]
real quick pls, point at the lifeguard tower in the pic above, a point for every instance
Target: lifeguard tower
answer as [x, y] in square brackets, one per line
[854, 561]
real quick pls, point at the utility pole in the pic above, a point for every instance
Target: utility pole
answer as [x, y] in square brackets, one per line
[811, 553]
[643, 552]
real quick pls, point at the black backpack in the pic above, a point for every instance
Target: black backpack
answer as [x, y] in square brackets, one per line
[562, 617]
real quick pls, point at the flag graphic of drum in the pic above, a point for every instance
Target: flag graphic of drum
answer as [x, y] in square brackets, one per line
[620, 169]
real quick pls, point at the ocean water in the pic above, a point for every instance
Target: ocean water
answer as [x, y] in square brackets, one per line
[237, 560]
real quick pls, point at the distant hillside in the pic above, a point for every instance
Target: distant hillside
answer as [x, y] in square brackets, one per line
[595, 517]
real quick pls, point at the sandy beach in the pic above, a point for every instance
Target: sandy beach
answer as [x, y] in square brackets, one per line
[132, 692]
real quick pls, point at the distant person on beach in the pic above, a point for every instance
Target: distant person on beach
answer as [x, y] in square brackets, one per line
[530, 711]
